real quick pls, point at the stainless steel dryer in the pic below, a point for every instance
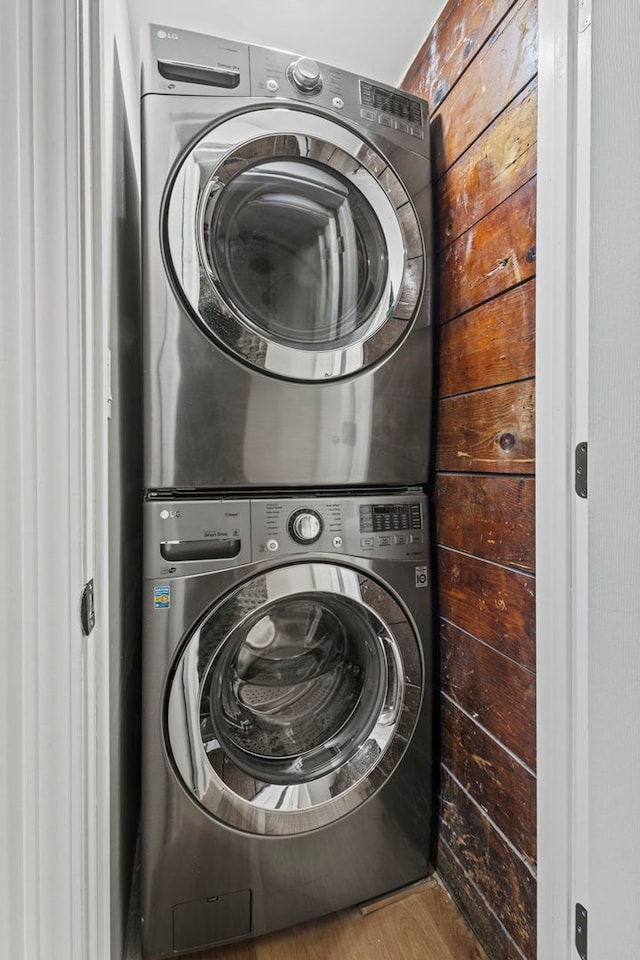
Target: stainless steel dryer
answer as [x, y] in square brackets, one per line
[286, 711]
[287, 271]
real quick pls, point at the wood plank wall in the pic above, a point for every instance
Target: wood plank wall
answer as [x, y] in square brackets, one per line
[477, 70]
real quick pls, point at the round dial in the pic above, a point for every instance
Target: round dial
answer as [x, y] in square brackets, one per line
[305, 526]
[305, 75]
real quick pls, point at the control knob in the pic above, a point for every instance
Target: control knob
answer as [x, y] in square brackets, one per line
[305, 526]
[305, 75]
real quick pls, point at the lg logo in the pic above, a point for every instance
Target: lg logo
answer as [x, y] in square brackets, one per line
[163, 35]
[165, 514]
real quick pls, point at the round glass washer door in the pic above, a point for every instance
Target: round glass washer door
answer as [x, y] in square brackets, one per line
[298, 252]
[293, 699]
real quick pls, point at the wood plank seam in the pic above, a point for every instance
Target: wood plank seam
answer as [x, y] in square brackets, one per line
[489, 645]
[493, 563]
[479, 894]
[481, 133]
[476, 390]
[484, 473]
[494, 296]
[473, 719]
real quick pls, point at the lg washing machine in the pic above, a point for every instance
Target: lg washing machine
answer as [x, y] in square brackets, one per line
[286, 271]
[286, 710]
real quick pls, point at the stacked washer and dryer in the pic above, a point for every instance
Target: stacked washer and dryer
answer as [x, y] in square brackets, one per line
[287, 384]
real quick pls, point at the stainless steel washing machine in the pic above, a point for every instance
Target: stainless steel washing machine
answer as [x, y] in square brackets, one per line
[286, 271]
[286, 710]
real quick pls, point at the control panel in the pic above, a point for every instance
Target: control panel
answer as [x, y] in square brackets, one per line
[179, 61]
[205, 535]
[385, 527]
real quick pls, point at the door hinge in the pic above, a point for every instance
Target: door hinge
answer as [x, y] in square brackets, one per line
[581, 469]
[87, 609]
[581, 931]
[584, 15]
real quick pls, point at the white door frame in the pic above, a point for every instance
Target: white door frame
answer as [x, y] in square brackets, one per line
[562, 317]
[54, 894]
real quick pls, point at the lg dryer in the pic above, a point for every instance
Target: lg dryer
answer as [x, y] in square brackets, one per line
[286, 711]
[287, 271]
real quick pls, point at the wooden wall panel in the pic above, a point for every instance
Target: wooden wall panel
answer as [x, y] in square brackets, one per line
[500, 161]
[504, 66]
[490, 430]
[499, 693]
[490, 602]
[495, 867]
[490, 517]
[474, 907]
[490, 345]
[456, 39]
[478, 70]
[503, 787]
[495, 254]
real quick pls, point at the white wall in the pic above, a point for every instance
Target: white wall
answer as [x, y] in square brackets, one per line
[377, 38]
[46, 695]
[614, 502]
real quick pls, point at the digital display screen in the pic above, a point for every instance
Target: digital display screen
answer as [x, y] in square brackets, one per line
[394, 103]
[390, 517]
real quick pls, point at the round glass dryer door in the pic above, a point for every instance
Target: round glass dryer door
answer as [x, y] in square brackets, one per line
[294, 698]
[298, 252]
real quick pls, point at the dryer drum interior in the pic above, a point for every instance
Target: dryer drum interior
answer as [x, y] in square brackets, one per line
[298, 251]
[301, 700]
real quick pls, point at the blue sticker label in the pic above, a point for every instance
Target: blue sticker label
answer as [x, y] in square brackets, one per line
[162, 597]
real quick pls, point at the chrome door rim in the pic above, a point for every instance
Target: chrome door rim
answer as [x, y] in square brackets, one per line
[216, 782]
[199, 178]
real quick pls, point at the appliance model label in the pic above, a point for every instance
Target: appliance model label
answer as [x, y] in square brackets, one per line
[422, 577]
[162, 597]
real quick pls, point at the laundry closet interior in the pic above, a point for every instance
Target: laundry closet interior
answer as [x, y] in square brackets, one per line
[333, 502]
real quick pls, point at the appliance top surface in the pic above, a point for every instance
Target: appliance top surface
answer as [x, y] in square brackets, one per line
[176, 61]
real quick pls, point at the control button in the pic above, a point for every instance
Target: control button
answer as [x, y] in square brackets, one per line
[366, 542]
[368, 114]
[415, 538]
[305, 526]
[272, 545]
[384, 541]
[337, 542]
[385, 121]
[272, 85]
[305, 75]
[338, 103]
[402, 126]
[401, 539]
[416, 132]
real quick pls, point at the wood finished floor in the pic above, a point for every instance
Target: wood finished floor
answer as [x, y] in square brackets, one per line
[424, 925]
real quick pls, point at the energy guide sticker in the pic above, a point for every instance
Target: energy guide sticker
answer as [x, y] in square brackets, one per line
[162, 597]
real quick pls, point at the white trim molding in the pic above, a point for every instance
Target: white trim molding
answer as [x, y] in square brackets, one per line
[560, 269]
[47, 682]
